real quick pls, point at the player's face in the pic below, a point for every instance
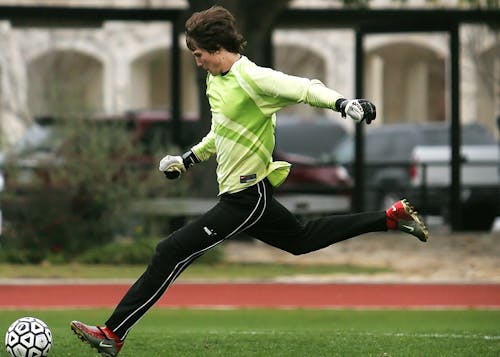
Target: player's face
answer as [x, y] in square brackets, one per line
[209, 61]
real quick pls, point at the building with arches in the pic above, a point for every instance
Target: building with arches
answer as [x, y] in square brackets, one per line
[125, 66]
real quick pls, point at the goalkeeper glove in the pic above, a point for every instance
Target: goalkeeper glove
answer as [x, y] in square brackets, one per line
[174, 166]
[357, 109]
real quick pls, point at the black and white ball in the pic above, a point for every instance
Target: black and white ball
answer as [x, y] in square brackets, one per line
[28, 337]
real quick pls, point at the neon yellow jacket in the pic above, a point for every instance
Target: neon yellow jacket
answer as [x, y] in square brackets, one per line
[243, 104]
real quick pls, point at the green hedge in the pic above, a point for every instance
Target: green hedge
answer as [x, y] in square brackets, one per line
[136, 252]
[81, 200]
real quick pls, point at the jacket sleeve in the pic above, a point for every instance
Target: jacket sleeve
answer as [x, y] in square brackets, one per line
[206, 147]
[292, 89]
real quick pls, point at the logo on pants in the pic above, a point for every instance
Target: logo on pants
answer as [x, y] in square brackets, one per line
[209, 232]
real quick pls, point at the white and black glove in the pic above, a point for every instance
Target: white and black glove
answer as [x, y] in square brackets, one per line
[356, 109]
[174, 166]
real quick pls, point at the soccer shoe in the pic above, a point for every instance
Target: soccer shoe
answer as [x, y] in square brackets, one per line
[402, 216]
[100, 338]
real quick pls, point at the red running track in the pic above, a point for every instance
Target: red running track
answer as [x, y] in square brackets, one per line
[211, 295]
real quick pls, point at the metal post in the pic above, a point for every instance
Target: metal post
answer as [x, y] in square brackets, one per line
[358, 203]
[269, 50]
[175, 86]
[455, 201]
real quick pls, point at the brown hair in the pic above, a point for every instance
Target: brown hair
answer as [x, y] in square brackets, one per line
[213, 29]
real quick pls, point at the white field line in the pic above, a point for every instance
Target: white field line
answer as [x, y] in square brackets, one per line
[369, 334]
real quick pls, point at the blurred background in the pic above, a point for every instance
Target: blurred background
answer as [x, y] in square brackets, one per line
[94, 93]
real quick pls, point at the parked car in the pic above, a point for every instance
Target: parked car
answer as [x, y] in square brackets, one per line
[308, 145]
[42, 145]
[479, 179]
[34, 150]
[393, 169]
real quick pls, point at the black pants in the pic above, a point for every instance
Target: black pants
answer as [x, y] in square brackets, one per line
[252, 210]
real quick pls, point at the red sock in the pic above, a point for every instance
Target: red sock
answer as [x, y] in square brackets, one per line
[110, 333]
[390, 222]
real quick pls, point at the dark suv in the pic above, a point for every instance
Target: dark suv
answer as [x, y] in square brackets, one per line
[390, 166]
[308, 145]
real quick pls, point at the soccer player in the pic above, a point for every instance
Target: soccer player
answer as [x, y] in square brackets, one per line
[244, 98]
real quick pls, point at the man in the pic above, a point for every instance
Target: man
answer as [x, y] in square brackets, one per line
[243, 99]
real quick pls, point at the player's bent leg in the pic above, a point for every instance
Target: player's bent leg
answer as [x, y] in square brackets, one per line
[281, 229]
[233, 213]
[402, 216]
[172, 256]
[100, 338]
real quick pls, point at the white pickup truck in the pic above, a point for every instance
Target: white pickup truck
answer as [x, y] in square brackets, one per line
[479, 178]
[397, 154]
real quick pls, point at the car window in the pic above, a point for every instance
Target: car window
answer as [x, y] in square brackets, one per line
[477, 135]
[393, 146]
[316, 139]
[434, 136]
[396, 142]
[472, 134]
[36, 137]
[376, 147]
[345, 151]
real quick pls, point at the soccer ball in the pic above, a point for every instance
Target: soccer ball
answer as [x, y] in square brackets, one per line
[28, 337]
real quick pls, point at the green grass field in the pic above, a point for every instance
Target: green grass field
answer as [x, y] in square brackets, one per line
[308, 333]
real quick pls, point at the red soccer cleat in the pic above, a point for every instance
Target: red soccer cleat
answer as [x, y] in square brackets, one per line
[100, 338]
[402, 216]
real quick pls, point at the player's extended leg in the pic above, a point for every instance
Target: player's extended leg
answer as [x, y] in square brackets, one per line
[281, 229]
[233, 214]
